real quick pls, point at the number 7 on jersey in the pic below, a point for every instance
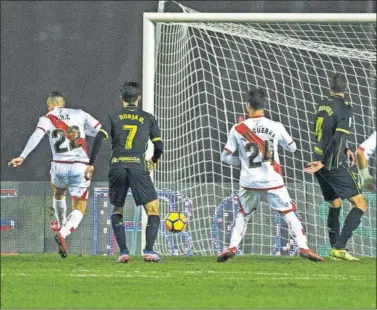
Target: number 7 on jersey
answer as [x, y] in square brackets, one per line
[132, 129]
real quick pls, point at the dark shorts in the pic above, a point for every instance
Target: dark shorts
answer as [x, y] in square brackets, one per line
[338, 183]
[121, 179]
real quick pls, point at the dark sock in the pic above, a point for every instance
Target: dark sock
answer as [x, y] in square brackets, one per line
[120, 234]
[333, 225]
[151, 231]
[350, 224]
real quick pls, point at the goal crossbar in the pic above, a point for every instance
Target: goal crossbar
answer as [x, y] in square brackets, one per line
[150, 18]
[262, 17]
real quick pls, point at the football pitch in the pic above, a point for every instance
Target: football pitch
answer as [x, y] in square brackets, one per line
[47, 281]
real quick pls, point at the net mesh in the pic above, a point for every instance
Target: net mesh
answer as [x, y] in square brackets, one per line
[202, 71]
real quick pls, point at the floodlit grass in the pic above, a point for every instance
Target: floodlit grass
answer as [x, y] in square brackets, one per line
[47, 281]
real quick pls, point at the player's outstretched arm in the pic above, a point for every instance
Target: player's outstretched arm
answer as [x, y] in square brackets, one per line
[367, 148]
[286, 141]
[230, 147]
[158, 150]
[32, 143]
[101, 135]
[155, 137]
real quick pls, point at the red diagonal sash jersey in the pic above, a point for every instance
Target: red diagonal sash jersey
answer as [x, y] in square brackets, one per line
[257, 140]
[67, 129]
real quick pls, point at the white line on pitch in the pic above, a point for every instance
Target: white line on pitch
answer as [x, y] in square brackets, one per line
[168, 275]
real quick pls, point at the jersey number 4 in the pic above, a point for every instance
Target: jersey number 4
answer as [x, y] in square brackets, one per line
[319, 128]
[267, 153]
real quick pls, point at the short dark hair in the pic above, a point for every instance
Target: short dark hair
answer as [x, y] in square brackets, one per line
[338, 83]
[255, 98]
[54, 94]
[130, 91]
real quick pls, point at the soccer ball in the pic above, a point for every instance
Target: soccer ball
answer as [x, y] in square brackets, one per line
[175, 222]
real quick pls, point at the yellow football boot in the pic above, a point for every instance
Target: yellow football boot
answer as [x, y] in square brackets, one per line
[341, 254]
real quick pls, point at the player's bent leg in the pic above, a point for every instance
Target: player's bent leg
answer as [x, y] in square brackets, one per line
[238, 231]
[59, 187]
[73, 221]
[60, 207]
[298, 233]
[249, 200]
[75, 217]
[333, 220]
[78, 188]
[345, 184]
[329, 194]
[118, 187]
[351, 223]
[145, 194]
[359, 202]
[120, 234]
[151, 208]
[280, 200]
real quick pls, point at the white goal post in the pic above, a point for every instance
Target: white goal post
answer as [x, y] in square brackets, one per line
[196, 67]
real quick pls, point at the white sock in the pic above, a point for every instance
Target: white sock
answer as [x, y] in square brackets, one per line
[73, 221]
[239, 229]
[60, 207]
[296, 230]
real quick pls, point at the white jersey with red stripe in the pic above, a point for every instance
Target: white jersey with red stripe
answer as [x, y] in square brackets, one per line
[66, 130]
[369, 146]
[257, 140]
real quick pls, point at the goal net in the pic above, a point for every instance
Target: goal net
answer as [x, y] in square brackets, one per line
[201, 71]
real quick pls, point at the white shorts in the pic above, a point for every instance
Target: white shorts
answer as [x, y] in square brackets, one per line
[278, 199]
[65, 175]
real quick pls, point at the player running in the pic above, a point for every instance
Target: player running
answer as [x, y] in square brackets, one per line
[332, 125]
[66, 129]
[130, 129]
[364, 151]
[257, 140]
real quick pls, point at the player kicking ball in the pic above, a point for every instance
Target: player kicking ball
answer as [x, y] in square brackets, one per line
[257, 140]
[66, 130]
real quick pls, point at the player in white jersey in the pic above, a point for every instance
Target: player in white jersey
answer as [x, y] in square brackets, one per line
[364, 151]
[256, 140]
[66, 129]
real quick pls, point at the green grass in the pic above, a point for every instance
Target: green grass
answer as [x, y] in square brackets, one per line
[47, 281]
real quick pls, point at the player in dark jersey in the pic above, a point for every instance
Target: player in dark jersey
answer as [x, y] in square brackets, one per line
[332, 126]
[130, 129]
